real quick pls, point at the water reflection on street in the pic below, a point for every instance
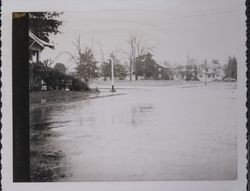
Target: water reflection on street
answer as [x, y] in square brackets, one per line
[144, 134]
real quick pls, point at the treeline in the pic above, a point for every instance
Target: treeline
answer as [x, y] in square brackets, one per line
[193, 69]
[230, 69]
[137, 62]
[120, 70]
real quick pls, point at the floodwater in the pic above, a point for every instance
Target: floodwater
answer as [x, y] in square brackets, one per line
[143, 133]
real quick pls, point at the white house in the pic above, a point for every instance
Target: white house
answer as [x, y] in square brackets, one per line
[211, 72]
[36, 45]
[206, 72]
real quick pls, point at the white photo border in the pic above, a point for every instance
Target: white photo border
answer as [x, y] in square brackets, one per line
[7, 156]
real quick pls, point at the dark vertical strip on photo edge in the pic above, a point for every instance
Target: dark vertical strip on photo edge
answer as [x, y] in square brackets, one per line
[1, 94]
[248, 93]
[20, 65]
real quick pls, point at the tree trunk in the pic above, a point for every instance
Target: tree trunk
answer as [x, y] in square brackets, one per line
[130, 71]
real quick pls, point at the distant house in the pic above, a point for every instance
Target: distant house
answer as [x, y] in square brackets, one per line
[206, 72]
[211, 72]
[36, 46]
[185, 73]
[178, 73]
[158, 72]
[162, 72]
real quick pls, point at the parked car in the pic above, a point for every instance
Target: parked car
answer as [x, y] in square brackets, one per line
[229, 80]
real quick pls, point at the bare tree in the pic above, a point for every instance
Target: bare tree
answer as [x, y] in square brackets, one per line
[46, 64]
[86, 63]
[195, 68]
[77, 44]
[137, 47]
[103, 65]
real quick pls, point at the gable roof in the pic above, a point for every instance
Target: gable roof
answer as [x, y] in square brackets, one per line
[163, 65]
[39, 41]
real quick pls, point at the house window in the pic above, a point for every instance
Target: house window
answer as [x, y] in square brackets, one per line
[208, 75]
[201, 76]
[34, 56]
[159, 69]
[159, 75]
[30, 56]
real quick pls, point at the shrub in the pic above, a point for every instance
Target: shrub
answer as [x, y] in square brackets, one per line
[54, 79]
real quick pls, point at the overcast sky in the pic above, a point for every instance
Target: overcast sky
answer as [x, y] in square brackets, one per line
[204, 29]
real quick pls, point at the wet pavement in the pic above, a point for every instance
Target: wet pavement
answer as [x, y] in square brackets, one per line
[142, 133]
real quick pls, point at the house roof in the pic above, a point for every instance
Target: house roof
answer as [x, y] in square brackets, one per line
[212, 65]
[39, 41]
[163, 65]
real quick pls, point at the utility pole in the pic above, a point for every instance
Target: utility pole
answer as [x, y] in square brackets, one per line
[112, 74]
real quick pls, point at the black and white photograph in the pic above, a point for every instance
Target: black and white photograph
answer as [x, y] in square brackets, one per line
[130, 91]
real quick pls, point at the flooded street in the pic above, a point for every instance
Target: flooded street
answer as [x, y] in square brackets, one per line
[142, 133]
